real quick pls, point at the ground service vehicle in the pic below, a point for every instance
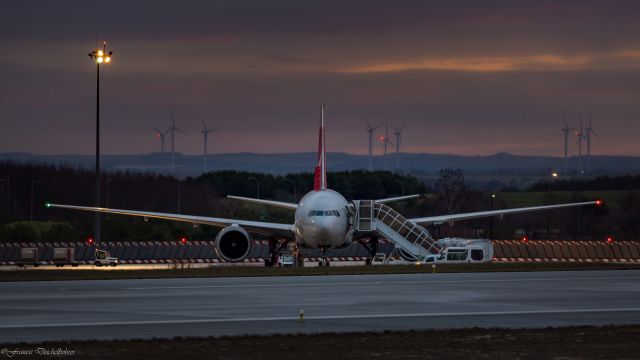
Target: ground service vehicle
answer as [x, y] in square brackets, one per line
[286, 260]
[64, 256]
[28, 256]
[104, 258]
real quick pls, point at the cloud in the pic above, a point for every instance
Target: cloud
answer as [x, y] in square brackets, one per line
[542, 62]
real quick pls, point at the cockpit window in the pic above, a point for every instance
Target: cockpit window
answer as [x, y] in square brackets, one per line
[335, 213]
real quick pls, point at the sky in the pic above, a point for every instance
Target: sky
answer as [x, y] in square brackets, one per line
[467, 77]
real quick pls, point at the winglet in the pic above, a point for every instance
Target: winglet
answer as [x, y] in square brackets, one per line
[320, 174]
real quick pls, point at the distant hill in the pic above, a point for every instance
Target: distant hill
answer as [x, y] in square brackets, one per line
[425, 164]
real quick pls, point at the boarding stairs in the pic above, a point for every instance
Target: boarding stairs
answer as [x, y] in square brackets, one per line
[412, 240]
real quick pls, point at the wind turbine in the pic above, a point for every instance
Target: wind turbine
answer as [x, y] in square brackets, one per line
[370, 129]
[163, 138]
[398, 134]
[566, 131]
[173, 130]
[205, 132]
[385, 143]
[588, 131]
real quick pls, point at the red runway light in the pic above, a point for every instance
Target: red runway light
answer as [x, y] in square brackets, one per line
[90, 241]
[598, 202]
[525, 239]
[183, 240]
[610, 240]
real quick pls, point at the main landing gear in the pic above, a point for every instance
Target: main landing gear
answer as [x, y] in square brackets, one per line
[274, 250]
[372, 248]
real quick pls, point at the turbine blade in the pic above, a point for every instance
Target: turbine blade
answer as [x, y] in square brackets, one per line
[204, 127]
[564, 117]
[366, 122]
[173, 116]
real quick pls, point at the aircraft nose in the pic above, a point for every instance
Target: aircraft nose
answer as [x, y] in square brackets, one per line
[329, 231]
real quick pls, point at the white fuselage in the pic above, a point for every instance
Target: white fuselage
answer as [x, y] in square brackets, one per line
[322, 220]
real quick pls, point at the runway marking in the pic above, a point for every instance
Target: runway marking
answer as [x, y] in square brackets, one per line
[326, 317]
[374, 283]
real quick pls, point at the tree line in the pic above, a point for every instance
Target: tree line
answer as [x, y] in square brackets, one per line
[25, 188]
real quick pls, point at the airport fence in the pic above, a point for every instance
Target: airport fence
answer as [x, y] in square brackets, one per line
[165, 252]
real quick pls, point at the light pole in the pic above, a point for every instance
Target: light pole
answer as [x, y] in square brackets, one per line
[100, 56]
[108, 183]
[7, 181]
[493, 196]
[402, 202]
[295, 193]
[33, 184]
[179, 197]
[257, 183]
[554, 176]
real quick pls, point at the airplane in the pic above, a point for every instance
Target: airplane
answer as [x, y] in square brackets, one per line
[324, 220]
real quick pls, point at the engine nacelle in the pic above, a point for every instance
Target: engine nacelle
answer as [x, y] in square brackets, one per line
[233, 244]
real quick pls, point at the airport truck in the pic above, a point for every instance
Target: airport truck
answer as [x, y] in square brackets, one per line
[453, 251]
[64, 256]
[460, 251]
[28, 256]
[104, 258]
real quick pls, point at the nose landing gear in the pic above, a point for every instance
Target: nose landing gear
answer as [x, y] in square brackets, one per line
[324, 261]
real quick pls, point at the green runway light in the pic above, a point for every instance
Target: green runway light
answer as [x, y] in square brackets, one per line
[48, 205]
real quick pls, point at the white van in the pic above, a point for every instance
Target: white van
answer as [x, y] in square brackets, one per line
[459, 255]
[286, 260]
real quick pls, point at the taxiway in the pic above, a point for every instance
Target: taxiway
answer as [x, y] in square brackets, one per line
[125, 309]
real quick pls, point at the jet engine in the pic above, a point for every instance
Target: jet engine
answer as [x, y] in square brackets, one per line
[233, 244]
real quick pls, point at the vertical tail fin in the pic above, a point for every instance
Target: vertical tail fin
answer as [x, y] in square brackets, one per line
[320, 174]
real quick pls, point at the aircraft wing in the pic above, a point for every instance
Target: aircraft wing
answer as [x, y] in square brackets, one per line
[406, 197]
[259, 227]
[281, 204]
[480, 214]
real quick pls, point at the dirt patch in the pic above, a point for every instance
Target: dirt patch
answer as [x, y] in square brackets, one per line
[611, 342]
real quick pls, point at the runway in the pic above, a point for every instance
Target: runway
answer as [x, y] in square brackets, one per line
[125, 309]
